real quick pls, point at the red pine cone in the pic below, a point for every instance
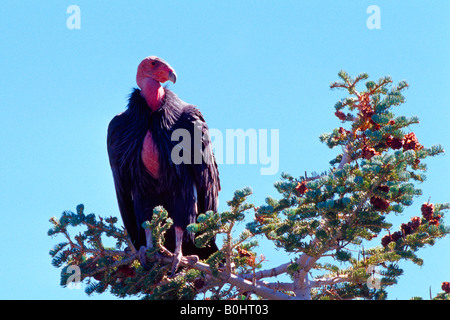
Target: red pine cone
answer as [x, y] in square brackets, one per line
[390, 237]
[435, 221]
[394, 143]
[396, 235]
[379, 203]
[427, 210]
[340, 115]
[406, 228]
[446, 286]
[301, 187]
[383, 188]
[386, 240]
[411, 226]
[368, 152]
[415, 222]
[410, 142]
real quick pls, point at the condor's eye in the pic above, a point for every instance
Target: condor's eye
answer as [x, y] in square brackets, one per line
[153, 63]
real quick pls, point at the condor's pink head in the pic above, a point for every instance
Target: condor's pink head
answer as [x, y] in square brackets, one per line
[151, 72]
[154, 68]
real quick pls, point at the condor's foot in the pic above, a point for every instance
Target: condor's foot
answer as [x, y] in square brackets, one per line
[178, 254]
[190, 260]
[144, 260]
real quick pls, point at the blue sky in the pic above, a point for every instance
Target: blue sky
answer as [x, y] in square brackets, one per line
[246, 64]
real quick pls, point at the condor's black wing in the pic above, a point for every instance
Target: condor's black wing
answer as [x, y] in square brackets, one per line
[203, 164]
[121, 173]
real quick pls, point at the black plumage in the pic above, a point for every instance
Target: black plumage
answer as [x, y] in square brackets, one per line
[138, 192]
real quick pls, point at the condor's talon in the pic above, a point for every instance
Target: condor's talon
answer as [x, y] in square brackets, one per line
[191, 260]
[142, 254]
[176, 263]
[143, 259]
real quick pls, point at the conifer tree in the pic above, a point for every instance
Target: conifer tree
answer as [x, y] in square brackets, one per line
[335, 224]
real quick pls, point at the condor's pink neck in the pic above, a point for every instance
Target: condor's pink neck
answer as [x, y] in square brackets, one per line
[153, 92]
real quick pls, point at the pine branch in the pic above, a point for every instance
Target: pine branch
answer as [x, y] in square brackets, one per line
[328, 215]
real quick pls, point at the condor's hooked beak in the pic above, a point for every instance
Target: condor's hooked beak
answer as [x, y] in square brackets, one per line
[172, 76]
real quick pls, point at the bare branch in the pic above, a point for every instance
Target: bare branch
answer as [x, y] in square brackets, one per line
[328, 281]
[268, 273]
[258, 287]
